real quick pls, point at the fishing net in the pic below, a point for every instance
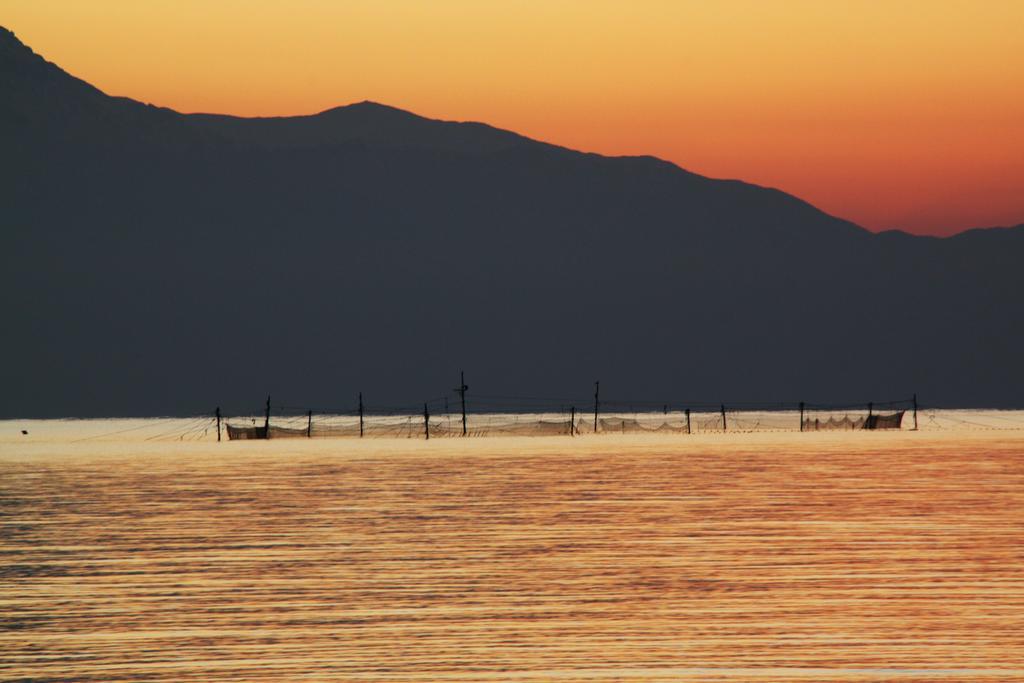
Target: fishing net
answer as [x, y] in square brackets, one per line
[572, 423]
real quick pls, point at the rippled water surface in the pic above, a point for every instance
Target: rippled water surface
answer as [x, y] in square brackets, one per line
[818, 557]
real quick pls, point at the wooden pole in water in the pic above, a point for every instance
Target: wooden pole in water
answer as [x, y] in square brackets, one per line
[426, 422]
[725, 425]
[218, 422]
[462, 394]
[572, 422]
[309, 425]
[915, 412]
[801, 416]
[360, 414]
[266, 420]
[597, 402]
[688, 421]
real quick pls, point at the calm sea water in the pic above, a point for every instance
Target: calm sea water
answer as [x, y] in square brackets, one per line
[818, 557]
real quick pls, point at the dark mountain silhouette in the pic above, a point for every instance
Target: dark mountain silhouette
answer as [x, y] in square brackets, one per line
[161, 263]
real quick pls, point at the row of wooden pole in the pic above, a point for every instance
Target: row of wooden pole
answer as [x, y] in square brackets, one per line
[462, 388]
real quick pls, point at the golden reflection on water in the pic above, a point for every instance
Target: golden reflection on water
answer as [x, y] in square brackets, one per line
[751, 557]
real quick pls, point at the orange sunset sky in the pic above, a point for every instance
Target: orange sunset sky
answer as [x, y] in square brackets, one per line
[892, 114]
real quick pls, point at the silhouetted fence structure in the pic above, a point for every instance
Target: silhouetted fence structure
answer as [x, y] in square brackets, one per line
[536, 416]
[675, 423]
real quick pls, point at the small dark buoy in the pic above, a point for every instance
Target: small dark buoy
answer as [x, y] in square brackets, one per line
[24, 431]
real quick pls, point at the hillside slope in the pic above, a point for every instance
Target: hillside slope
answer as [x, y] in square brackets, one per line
[160, 263]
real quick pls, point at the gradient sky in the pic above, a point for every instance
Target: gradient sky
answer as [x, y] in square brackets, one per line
[892, 114]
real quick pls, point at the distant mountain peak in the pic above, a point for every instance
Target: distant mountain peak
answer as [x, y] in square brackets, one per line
[368, 107]
[28, 76]
[11, 45]
[369, 104]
